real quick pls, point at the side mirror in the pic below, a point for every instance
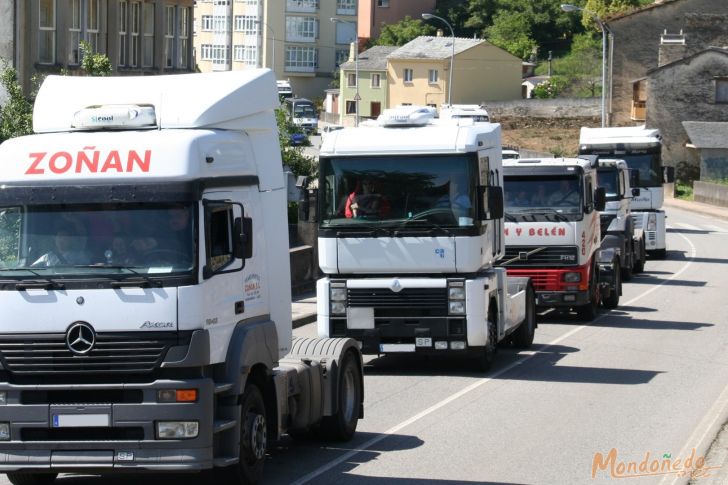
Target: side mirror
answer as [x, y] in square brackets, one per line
[636, 192]
[492, 208]
[243, 238]
[600, 199]
[634, 178]
[668, 174]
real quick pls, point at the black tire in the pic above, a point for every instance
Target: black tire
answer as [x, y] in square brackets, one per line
[485, 359]
[639, 262]
[342, 425]
[523, 336]
[253, 439]
[627, 269]
[612, 301]
[26, 478]
[588, 312]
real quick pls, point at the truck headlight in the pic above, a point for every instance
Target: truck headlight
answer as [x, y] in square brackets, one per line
[456, 293]
[652, 222]
[338, 294]
[177, 430]
[456, 307]
[4, 431]
[338, 307]
[572, 277]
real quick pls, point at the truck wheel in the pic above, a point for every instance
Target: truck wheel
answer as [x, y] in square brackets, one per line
[626, 270]
[253, 439]
[25, 478]
[523, 336]
[588, 312]
[612, 301]
[342, 425]
[485, 359]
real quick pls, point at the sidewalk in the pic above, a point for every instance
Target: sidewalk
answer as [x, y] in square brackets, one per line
[304, 310]
[699, 207]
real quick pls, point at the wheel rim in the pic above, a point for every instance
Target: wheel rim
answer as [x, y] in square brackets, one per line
[257, 436]
[349, 394]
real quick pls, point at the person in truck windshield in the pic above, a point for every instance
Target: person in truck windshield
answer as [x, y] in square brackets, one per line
[566, 194]
[366, 202]
[69, 248]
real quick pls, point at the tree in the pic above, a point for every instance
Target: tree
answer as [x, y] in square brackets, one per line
[581, 68]
[93, 63]
[293, 156]
[16, 116]
[549, 89]
[403, 31]
[510, 31]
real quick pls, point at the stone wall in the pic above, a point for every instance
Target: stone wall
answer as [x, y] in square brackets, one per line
[709, 193]
[545, 108]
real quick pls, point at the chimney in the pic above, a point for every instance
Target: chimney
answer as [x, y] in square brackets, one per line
[672, 48]
[352, 52]
[440, 33]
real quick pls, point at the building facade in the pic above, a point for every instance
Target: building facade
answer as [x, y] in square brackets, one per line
[690, 89]
[139, 37]
[418, 72]
[639, 40]
[373, 88]
[373, 14]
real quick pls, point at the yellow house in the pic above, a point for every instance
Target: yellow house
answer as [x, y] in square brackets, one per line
[418, 72]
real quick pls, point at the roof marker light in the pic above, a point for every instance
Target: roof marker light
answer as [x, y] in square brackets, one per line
[115, 117]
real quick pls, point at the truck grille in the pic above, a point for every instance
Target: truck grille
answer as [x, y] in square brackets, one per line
[413, 301]
[113, 353]
[605, 220]
[637, 221]
[523, 256]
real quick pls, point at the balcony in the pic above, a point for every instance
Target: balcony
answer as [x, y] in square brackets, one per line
[639, 111]
[303, 6]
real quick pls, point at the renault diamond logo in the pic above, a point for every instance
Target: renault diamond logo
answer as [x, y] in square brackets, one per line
[80, 338]
[396, 286]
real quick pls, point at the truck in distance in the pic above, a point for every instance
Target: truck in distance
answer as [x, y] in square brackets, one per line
[410, 223]
[145, 285]
[641, 148]
[617, 225]
[302, 112]
[552, 233]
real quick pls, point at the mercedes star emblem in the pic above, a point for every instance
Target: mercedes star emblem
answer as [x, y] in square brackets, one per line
[80, 338]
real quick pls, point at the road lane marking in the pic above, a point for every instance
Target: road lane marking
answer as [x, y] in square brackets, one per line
[688, 226]
[527, 355]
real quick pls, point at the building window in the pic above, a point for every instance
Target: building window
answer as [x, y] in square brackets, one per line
[74, 33]
[342, 55]
[247, 24]
[408, 75]
[148, 55]
[301, 59]
[206, 52]
[351, 80]
[252, 3]
[346, 7]
[350, 107]
[47, 34]
[432, 76]
[376, 80]
[93, 20]
[219, 23]
[247, 54]
[383, 3]
[308, 6]
[169, 23]
[213, 52]
[206, 23]
[123, 35]
[301, 29]
[183, 42]
[135, 28]
[721, 90]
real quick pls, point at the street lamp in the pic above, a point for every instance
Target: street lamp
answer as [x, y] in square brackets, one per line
[356, 65]
[428, 16]
[273, 34]
[566, 7]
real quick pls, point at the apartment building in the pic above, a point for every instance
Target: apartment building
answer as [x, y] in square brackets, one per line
[139, 36]
[373, 14]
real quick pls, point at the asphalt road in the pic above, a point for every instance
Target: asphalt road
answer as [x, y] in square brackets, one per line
[650, 377]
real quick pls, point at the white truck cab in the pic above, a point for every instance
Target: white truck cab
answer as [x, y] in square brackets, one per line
[640, 147]
[464, 111]
[145, 284]
[410, 222]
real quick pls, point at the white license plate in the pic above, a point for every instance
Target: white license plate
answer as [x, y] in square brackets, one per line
[396, 348]
[423, 342]
[80, 420]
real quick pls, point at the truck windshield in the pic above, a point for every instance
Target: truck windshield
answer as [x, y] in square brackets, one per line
[539, 195]
[648, 165]
[304, 111]
[398, 191]
[608, 178]
[97, 239]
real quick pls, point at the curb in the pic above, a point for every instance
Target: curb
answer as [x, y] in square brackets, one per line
[303, 320]
[698, 207]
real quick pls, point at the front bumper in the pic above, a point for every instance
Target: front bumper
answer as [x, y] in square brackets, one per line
[38, 442]
[561, 298]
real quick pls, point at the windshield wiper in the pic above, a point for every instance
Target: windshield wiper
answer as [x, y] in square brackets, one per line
[431, 224]
[547, 210]
[42, 283]
[368, 230]
[509, 217]
[136, 279]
